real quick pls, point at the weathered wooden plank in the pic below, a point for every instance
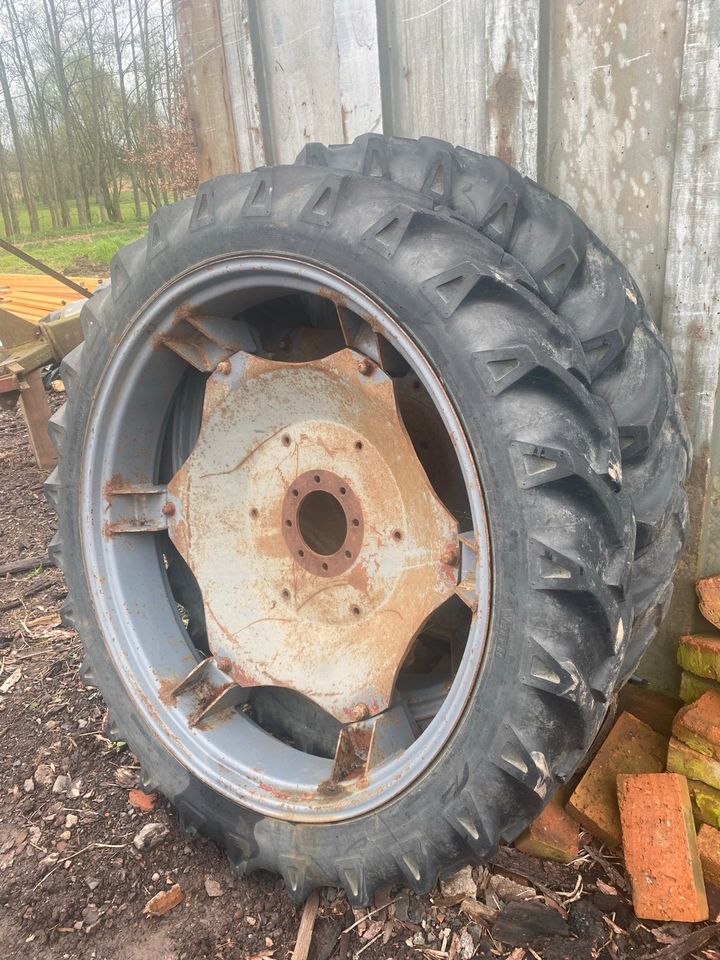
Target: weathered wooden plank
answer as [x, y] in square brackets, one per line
[613, 85]
[320, 71]
[512, 33]
[691, 314]
[242, 90]
[434, 69]
[203, 59]
[358, 67]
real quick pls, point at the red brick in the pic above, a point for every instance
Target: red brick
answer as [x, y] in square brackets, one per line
[698, 725]
[655, 709]
[692, 764]
[631, 747]
[709, 849]
[553, 835]
[699, 653]
[661, 849]
[708, 591]
[693, 687]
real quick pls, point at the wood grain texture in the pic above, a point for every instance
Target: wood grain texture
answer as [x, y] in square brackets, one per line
[434, 56]
[320, 65]
[242, 88]
[203, 59]
[610, 120]
[512, 31]
[691, 314]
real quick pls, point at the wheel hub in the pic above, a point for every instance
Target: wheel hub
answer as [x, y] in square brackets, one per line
[318, 544]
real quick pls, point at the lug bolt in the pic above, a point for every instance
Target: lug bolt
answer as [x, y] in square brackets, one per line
[168, 509]
[224, 664]
[224, 367]
[366, 367]
[360, 711]
[450, 557]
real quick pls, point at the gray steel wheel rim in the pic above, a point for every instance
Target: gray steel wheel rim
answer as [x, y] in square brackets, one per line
[135, 610]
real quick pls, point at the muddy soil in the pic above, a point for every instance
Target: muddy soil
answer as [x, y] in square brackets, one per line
[73, 884]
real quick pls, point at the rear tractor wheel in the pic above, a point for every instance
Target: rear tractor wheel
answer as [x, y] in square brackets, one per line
[342, 527]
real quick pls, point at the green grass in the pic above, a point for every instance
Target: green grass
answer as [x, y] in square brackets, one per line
[80, 250]
[127, 208]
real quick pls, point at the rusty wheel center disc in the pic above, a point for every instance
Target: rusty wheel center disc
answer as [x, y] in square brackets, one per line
[322, 522]
[316, 539]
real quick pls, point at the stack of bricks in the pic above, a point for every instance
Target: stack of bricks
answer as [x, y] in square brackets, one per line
[699, 654]
[653, 782]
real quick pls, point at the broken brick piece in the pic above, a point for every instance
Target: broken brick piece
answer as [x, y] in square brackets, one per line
[706, 802]
[142, 801]
[695, 766]
[692, 687]
[631, 747]
[164, 901]
[661, 849]
[698, 724]
[553, 835]
[709, 849]
[708, 591]
[700, 654]
[655, 709]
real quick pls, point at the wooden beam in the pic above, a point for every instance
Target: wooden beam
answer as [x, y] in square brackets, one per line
[36, 412]
[202, 53]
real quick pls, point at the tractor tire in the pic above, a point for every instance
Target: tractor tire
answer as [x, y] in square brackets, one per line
[582, 282]
[546, 563]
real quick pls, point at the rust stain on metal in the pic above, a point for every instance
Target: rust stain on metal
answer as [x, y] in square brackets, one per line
[327, 483]
[167, 694]
[280, 586]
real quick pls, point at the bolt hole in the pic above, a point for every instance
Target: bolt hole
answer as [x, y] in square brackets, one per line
[343, 491]
[348, 554]
[288, 523]
[358, 445]
[356, 522]
[325, 566]
[286, 440]
[301, 553]
[285, 594]
[355, 611]
[316, 478]
[397, 535]
[295, 493]
[254, 513]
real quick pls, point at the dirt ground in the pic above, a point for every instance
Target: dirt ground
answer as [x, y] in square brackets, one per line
[73, 885]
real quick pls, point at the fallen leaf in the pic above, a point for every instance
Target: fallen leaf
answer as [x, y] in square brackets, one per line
[150, 836]
[10, 681]
[164, 901]
[126, 777]
[605, 888]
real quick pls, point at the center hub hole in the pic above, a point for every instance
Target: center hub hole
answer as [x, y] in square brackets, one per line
[322, 522]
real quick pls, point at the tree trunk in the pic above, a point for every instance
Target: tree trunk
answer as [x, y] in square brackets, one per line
[64, 88]
[27, 193]
[125, 111]
[10, 231]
